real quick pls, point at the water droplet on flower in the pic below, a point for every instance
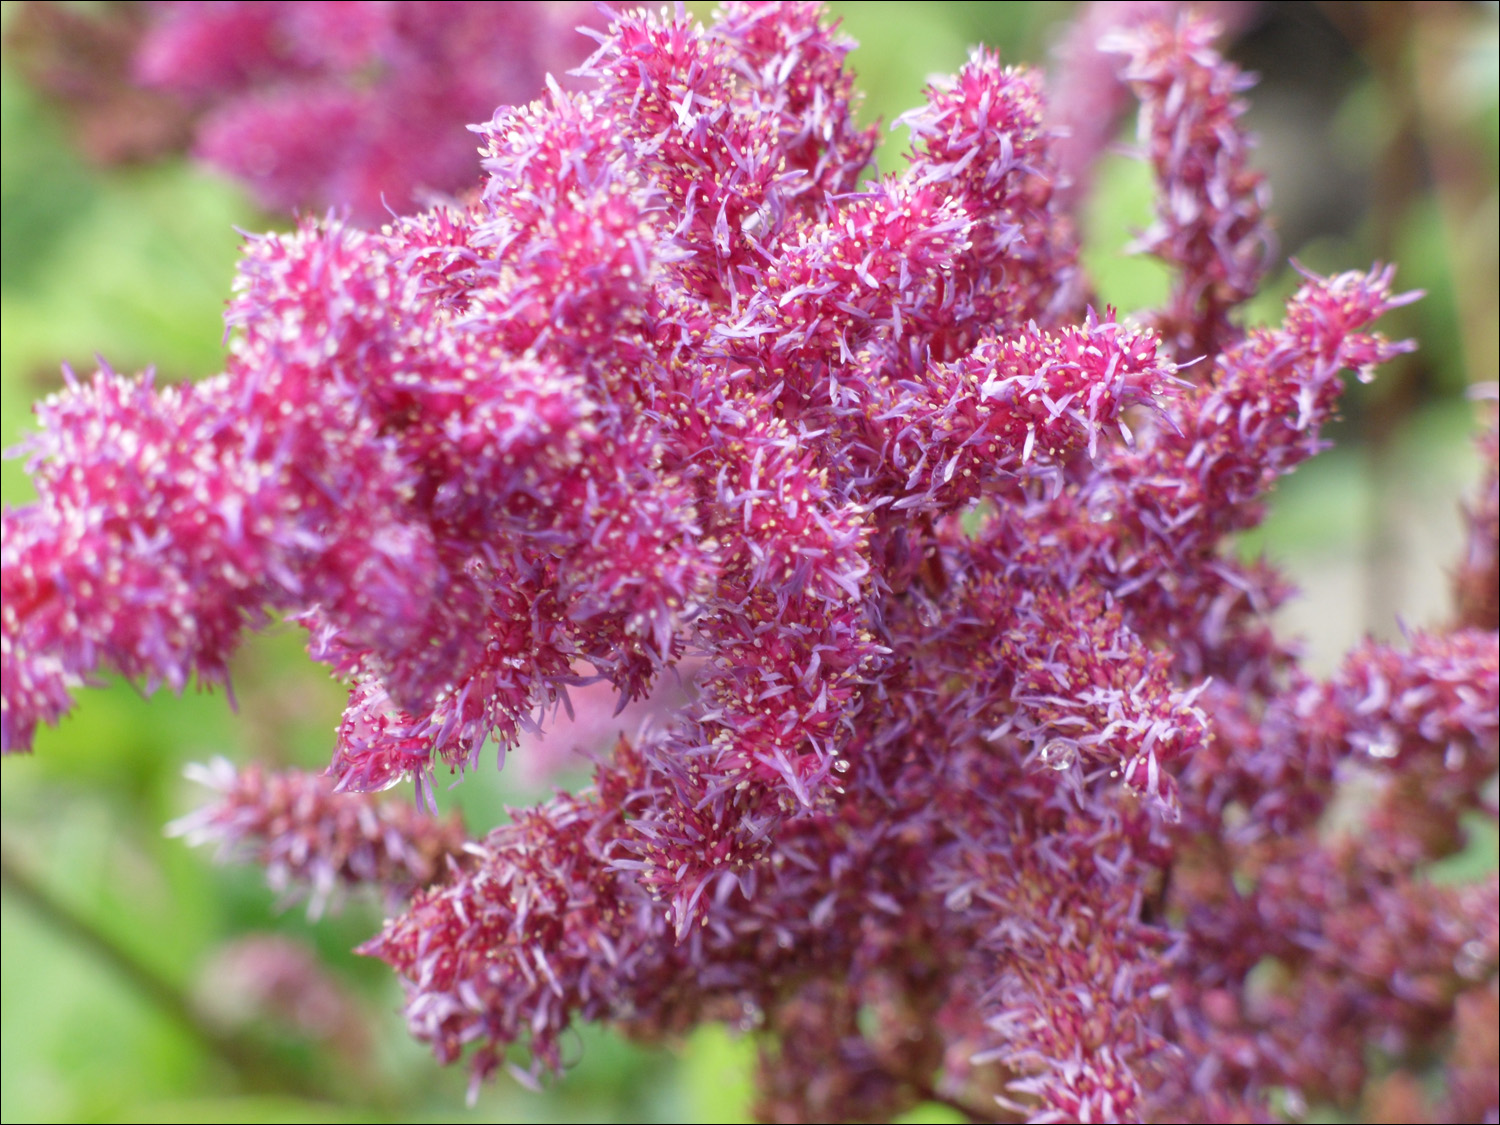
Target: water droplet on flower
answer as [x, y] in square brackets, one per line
[927, 612]
[1059, 754]
[1470, 962]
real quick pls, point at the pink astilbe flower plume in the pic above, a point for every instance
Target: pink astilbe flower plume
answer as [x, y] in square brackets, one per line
[316, 842]
[1210, 214]
[984, 730]
[358, 106]
[1088, 98]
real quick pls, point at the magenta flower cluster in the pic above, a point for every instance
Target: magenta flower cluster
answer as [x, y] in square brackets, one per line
[360, 106]
[996, 786]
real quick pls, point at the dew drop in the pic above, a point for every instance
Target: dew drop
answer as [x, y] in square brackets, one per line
[1471, 960]
[1059, 754]
[927, 612]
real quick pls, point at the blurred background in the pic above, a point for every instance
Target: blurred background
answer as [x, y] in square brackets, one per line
[142, 982]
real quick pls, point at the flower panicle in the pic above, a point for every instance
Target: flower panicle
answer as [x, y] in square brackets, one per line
[983, 727]
[1211, 224]
[350, 105]
[316, 842]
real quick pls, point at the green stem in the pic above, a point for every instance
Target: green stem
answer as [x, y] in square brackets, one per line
[251, 1064]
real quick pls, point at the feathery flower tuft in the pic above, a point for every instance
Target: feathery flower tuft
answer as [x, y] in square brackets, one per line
[991, 780]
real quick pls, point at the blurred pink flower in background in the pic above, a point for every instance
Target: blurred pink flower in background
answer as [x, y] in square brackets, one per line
[324, 104]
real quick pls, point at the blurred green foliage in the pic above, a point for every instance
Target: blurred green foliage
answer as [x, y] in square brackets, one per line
[134, 264]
